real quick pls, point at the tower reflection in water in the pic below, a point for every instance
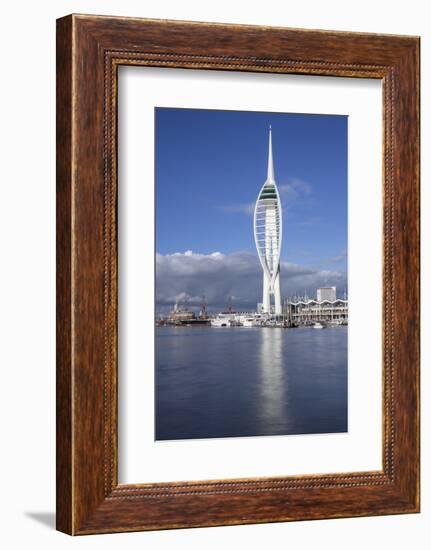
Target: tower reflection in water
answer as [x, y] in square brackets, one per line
[274, 382]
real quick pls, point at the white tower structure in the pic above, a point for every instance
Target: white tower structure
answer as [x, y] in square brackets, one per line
[267, 236]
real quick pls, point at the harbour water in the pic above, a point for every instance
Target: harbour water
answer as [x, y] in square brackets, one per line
[237, 382]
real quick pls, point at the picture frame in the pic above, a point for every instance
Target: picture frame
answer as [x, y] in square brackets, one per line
[89, 51]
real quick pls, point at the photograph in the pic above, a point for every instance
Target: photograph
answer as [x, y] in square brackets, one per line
[251, 261]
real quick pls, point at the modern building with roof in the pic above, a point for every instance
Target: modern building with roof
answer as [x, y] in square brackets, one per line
[326, 308]
[327, 293]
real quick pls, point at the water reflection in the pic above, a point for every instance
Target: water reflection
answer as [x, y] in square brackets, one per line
[273, 387]
[233, 382]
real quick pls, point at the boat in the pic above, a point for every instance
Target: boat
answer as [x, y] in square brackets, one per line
[271, 323]
[335, 323]
[220, 322]
[250, 322]
[185, 317]
[318, 325]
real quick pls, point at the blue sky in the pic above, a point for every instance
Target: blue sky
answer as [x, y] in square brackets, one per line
[210, 166]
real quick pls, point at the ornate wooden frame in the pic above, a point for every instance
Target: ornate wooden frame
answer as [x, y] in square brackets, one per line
[89, 51]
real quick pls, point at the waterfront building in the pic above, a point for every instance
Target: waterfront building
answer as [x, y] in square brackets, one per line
[267, 236]
[326, 293]
[300, 312]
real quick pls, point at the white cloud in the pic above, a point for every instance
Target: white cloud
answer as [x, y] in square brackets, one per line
[244, 208]
[336, 259]
[294, 189]
[188, 276]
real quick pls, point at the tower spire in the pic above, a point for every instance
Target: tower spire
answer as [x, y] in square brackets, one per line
[270, 161]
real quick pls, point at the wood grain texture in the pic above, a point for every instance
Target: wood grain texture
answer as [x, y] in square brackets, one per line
[64, 495]
[90, 49]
